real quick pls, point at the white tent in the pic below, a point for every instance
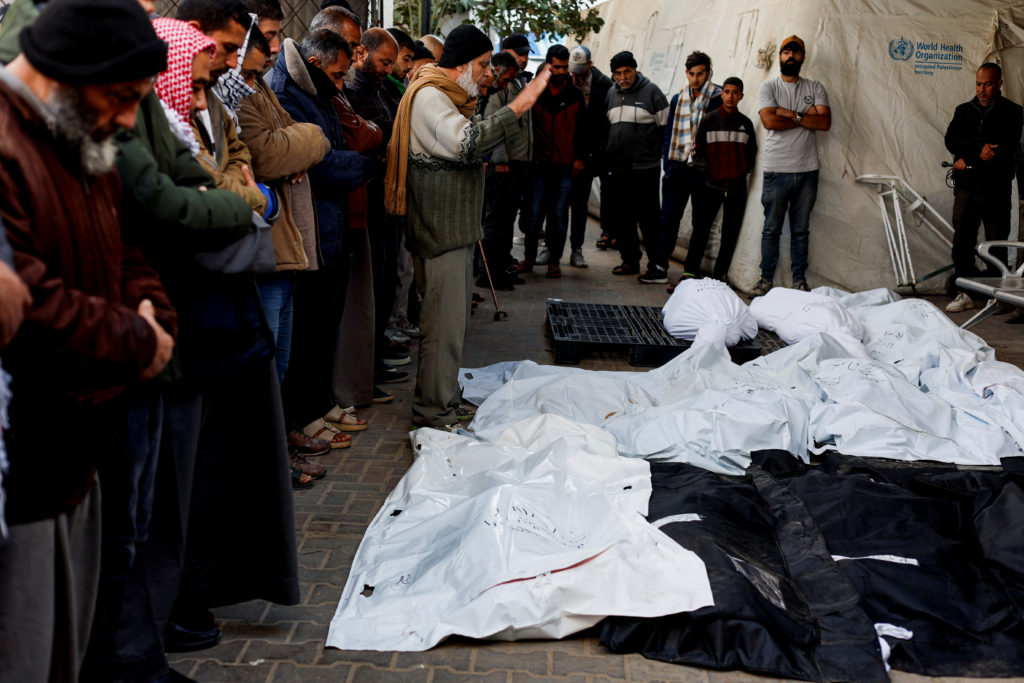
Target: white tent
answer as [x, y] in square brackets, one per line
[894, 70]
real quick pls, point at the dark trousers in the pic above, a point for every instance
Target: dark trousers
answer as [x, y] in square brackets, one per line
[384, 244]
[633, 201]
[156, 575]
[678, 185]
[128, 469]
[706, 203]
[579, 211]
[319, 303]
[989, 205]
[550, 186]
[503, 193]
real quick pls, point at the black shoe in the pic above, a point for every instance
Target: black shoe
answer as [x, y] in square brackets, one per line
[389, 375]
[172, 676]
[181, 639]
[653, 276]
[394, 358]
[381, 396]
[477, 298]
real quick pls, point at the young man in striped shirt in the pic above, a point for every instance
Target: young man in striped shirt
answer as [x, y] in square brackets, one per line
[724, 152]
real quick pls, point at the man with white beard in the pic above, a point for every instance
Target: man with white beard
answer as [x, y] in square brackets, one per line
[435, 181]
[99, 323]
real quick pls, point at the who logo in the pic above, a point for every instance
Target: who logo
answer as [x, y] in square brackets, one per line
[901, 49]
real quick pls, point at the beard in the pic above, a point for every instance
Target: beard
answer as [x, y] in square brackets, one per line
[791, 68]
[560, 79]
[466, 82]
[74, 126]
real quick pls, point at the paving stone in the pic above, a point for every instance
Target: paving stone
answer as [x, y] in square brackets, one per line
[453, 656]
[380, 660]
[563, 664]
[319, 614]
[287, 672]
[534, 662]
[244, 630]
[370, 674]
[226, 651]
[325, 594]
[448, 676]
[640, 669]
[216, 672]
[302, 653]
[305, 631]
[522, 677]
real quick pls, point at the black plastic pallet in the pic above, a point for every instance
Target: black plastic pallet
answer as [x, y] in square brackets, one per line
[578, 327]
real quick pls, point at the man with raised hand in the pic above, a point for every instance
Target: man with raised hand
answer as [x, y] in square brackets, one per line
[435, 181]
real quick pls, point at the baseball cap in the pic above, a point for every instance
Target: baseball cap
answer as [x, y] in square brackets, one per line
[578, 59]
[793, 39]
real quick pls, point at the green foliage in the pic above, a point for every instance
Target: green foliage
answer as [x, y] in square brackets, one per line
[573, 18]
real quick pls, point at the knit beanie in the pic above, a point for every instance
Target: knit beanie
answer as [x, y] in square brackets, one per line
[464, 44]
[624, 58]
[421, 52]
[80, 42]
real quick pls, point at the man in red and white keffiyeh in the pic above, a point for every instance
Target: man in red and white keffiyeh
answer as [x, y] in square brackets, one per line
[182, 88]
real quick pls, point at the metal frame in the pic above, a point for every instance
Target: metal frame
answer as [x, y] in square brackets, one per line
[900, 192]
[1008, 288]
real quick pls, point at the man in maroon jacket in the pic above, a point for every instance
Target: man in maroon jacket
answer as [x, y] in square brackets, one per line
[100, 320]
[558, 119]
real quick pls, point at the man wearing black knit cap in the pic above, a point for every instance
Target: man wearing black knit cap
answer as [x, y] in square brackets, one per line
[435, 184]
[100, 321]
[637, 112]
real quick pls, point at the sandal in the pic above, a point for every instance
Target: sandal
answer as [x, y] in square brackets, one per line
[605, 242]
[345, 420]
[554, 272]
[321, 429]
[626, 269]
[306, 466]
[300, 480]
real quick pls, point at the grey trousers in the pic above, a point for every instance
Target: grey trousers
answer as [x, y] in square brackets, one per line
[353, 357]
[446, 283]
[49, 573]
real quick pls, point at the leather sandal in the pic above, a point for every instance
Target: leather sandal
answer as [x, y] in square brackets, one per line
[297, 441]
[301, 480]
[626, 269]
[605, 242]
[345, 420]
[321, 429]
[307, 466]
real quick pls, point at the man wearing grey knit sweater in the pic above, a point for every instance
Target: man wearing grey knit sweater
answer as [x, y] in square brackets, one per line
[435, 181]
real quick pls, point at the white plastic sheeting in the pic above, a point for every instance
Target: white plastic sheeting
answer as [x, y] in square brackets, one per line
[793, 315]
[919, 388]
[708, 310]
[539, 535]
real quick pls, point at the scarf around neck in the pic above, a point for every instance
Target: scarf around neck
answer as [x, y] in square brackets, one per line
[429, 76]
[688, 115]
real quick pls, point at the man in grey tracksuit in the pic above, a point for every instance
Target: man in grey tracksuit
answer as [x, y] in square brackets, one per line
[637, 111]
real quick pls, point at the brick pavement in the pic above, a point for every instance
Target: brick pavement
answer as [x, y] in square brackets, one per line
[264, 642]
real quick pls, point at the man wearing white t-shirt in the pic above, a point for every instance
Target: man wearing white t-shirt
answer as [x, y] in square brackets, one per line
[792, 109]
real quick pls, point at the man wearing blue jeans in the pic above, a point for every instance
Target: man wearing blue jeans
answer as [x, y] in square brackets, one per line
[791, 109]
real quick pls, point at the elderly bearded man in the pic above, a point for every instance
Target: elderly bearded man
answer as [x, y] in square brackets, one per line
[435, 179]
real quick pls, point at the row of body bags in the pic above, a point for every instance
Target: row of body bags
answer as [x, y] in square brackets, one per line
[534, 526]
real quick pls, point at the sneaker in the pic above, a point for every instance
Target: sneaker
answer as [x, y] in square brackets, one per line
[543, 256]
[762, 287]
[801, 285]
[397, 336]
[395, 358]
[389, 375]
[653, 276]
[406, 326]
[576, 260]
[381, 396]
[525, 267]
[962, 302]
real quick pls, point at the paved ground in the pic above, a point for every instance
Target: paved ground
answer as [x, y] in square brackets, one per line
[264, 642]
